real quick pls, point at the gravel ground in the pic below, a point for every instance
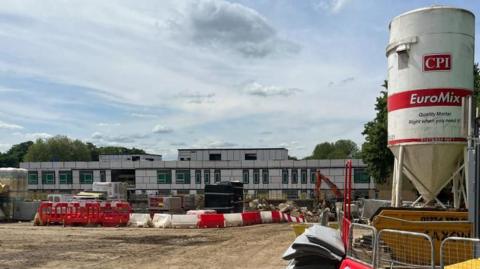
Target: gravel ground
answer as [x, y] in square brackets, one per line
[260, 246]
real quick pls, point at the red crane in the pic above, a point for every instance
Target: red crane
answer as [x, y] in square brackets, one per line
[330, 184]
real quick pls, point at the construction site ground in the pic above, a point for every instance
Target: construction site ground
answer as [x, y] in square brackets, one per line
[23, 245]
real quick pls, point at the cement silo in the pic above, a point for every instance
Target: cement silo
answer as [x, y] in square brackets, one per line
[430, 82]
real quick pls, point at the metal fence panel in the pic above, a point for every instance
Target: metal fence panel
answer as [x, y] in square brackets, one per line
[362, 243]
[460, 253]
[402, 250]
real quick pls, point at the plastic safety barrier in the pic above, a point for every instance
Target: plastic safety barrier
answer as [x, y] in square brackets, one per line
[140, 220]
[211, 221]
[251, 218]
[233, 219]
[276, 218]
[200, 212]
[162, 221]
[266, 216]
[184, 221]
[83, 213]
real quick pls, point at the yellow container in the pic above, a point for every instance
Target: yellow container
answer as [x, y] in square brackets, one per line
[474, 263]
[298, 229]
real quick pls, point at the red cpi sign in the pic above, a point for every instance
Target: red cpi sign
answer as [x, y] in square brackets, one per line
[437, 62]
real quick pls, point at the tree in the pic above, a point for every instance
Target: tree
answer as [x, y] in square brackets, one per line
[476, 84]
[375, 153]
[14, 155]
[341, 149]
[58, 148]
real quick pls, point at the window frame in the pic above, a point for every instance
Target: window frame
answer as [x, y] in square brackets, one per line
[265, 176]
[82, 177]
[285, 175]
[198, 176]
[246, 172]
[217, 177]
[185, 173]
[168, 176]
[294, 176]
[50, 180]
[303, 176]
[68, 177]
[32, 180]
[256, 176]
[206, 176]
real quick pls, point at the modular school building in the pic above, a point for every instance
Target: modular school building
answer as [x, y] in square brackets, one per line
[265, 172]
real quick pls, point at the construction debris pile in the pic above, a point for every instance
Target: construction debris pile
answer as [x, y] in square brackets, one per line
[291, 208]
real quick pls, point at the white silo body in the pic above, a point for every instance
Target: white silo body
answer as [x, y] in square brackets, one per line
[430, 77]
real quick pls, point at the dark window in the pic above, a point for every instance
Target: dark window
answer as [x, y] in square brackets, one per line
[86, 177]
[182, 159]
[216, 176]
[206, 176]
[32, 177]
[250, 156]
[48, 177]
[304, 177]
[103, 177]
[198, 177]
[285, 176]
[65, 177]
[149, 159]
[246, 176]
[256, 176]
[135, 158]
[182, 176]
[265, 176]
[215, 157]
[313, 176]
[294, 176]
[360, 175]
[164, 177]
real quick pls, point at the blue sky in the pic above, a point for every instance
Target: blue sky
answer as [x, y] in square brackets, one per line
[162, 75]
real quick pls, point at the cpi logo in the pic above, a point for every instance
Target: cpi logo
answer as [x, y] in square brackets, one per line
[437, 62]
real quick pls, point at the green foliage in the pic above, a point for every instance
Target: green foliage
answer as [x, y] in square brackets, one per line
[341, 149]
[375, 153]
[62, 148]
[58, 148]
[476, 84]
[14, 155]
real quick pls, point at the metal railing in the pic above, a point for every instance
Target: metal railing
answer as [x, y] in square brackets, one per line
[402, 250]
[461, 252]
[361, 246]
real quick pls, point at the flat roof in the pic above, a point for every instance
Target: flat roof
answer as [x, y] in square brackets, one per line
[235, 149]
[131, 154]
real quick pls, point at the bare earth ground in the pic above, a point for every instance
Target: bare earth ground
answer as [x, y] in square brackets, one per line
[260, 246]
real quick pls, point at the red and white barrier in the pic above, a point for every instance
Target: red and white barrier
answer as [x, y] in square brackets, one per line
[185, 221]
[233, 219]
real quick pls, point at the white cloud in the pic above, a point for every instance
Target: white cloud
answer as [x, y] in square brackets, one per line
[10, 126]
[229, 26]
[161, 129]
[258, 89]
[333, 6]
[35, 136]
[107, 124]
[117, 139]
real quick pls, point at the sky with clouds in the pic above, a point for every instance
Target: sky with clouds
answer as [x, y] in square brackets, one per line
[162, 75]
